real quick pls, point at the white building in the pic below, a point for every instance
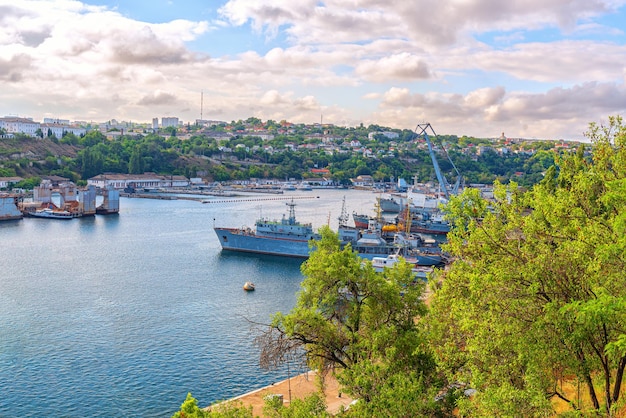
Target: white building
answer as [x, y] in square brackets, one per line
[169, 121]
[57, 121]
[9, 181]
[58, 130]
[387, 134]
[15, 125]
[138, 181]
[155, 123]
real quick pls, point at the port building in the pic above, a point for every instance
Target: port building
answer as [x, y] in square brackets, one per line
[138, 181]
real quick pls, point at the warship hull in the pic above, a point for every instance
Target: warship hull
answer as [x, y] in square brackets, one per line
[235, 239]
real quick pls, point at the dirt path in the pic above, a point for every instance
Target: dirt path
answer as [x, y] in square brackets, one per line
[298, 387]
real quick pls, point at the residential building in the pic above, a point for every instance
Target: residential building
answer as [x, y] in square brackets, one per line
[169, 121]
[15, 125]
[6, 182]
[57, 121]
[387, 134]
[58, 130]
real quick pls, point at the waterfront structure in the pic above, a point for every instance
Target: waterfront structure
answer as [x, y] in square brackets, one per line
[138, 181]
[9, 207]
[110, 203]
[76, 202]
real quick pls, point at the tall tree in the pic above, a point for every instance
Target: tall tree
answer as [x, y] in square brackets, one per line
[362, 324]
[135, 163]
[536, 297]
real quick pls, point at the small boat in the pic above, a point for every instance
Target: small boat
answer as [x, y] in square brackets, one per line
[52, 214]
[304, 186]
[248, 286]
[380, 263]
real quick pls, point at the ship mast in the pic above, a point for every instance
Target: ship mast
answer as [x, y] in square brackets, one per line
[292, 212]
[343, 218]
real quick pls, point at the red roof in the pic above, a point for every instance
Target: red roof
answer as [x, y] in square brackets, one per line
[320, 171]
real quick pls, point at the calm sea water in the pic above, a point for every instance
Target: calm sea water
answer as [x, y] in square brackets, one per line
[123, 315]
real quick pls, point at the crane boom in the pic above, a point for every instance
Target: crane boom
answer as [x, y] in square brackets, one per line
[443, 183]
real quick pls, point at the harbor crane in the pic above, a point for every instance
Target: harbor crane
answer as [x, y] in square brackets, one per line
[421, 130]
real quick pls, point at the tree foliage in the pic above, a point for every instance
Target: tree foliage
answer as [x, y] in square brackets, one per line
[363, 325]
[312, 406]
[536, 297]
[190, 409]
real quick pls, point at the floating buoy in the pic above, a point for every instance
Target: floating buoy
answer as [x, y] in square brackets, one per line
[248, 286]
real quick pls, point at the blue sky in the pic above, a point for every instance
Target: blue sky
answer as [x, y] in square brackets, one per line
[534, 69]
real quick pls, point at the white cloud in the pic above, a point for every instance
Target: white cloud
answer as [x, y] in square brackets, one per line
[368, 61]
[555, 113]
[403, 66]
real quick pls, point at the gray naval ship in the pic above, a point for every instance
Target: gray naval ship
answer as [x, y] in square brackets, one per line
[288, 237]
[285, 237]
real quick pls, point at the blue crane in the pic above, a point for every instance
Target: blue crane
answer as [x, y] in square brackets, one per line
[420, 130]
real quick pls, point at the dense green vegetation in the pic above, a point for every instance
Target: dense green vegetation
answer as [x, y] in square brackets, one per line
[535, 302]
[216, 155]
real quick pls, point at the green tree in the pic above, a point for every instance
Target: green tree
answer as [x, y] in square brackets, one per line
[136, 163]
[362, 324]
[28, 183]
[312, 406]
[536, 297]
[190, 409]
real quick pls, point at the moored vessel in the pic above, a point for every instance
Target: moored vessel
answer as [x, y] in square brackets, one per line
[290, 238]
[380, 263]
[285, 237]
[51, 214]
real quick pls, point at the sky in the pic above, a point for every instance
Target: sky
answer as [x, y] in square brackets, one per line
[539, 69]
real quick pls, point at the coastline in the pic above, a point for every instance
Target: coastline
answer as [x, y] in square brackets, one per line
[299, 387]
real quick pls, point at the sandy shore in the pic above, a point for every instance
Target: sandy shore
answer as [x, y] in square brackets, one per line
[297, 387]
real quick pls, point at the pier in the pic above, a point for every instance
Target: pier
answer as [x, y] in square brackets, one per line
[260, 199]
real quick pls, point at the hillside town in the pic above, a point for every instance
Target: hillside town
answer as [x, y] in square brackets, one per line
[253, 151]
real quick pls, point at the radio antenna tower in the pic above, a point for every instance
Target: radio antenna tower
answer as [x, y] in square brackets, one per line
[201, 104]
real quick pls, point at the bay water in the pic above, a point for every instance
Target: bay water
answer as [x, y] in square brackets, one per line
[122, 315]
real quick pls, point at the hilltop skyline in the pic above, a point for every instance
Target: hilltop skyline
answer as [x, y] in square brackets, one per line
[538, 69]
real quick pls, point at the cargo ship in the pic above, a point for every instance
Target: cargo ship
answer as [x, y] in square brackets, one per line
[9, 208]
